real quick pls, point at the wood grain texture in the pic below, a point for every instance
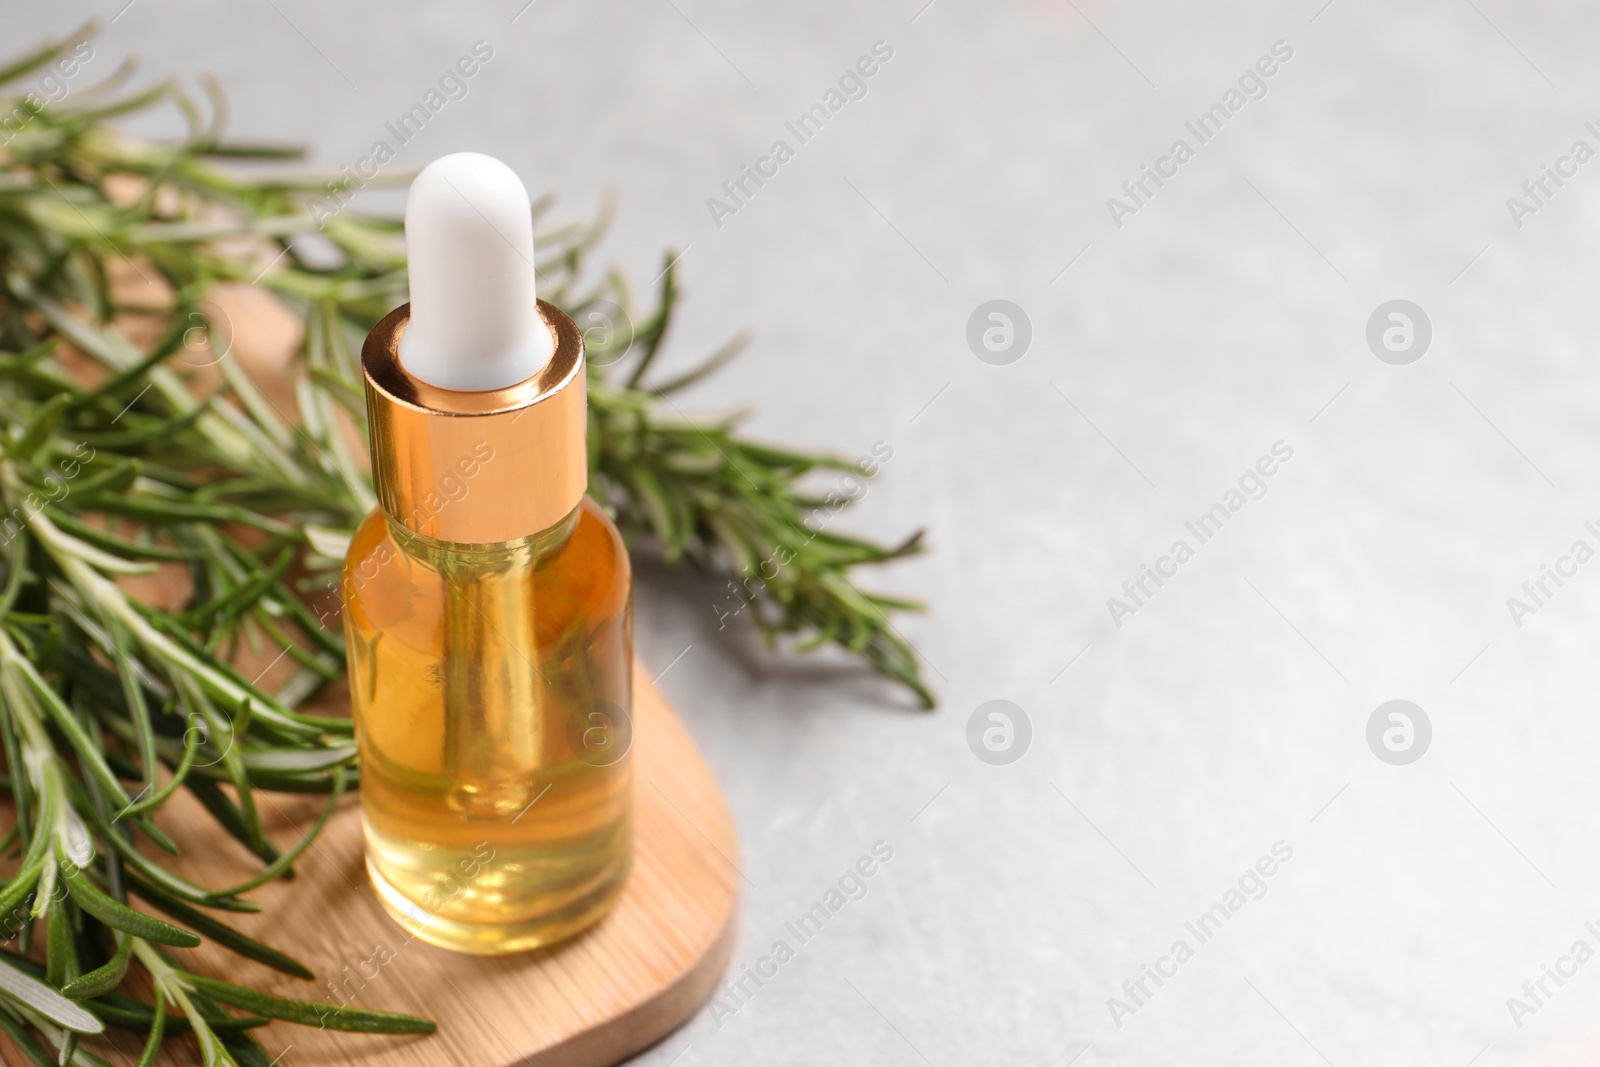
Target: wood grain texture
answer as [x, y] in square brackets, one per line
[593, 1000]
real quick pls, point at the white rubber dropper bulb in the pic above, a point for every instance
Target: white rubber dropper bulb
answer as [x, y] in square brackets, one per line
[475, 321]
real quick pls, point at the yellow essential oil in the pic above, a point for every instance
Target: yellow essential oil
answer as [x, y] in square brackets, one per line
[489, 683]
[487, 597]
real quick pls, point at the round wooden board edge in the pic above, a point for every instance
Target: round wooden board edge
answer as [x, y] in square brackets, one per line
[652, 1021]
[648, 1024]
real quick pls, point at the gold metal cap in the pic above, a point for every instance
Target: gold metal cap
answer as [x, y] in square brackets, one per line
[478, 468]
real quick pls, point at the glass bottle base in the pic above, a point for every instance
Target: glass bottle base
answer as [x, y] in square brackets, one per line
[501, 939]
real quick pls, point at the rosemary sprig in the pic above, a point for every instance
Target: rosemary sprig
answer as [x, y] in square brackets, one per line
[118, 458]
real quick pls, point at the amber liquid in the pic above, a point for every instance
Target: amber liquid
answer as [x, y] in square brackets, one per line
[491, 692]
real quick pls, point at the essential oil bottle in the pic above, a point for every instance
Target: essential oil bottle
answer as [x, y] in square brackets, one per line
[487, 599]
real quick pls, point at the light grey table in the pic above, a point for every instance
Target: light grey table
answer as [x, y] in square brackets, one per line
[1227, 312]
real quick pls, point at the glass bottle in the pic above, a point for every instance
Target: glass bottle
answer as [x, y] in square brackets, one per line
[487, 621]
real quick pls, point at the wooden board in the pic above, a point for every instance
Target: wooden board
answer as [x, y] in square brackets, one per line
[594, 1000]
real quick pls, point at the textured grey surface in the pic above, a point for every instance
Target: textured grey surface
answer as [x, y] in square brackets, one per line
[1227, 314]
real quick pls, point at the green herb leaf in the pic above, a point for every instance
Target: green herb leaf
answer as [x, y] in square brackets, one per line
[158, 1030]
[310, 1012]
[217, 931]
[119, 916]
[46, 1001]
[105, 978]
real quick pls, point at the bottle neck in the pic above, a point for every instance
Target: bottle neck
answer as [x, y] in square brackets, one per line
[461, 558]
